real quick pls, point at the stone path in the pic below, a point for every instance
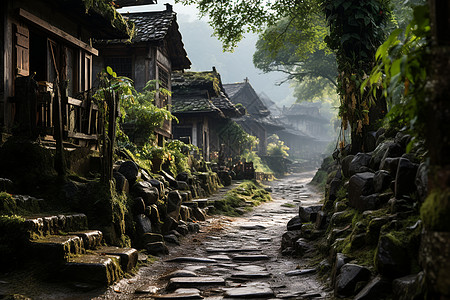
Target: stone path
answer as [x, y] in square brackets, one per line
[234, 258]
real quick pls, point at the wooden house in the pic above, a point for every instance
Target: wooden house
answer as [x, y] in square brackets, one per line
[154, 52]
[203, 109]
[49, 41]
[257, 120]
[305, 120]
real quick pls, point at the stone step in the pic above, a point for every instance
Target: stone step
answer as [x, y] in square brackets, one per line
[56, 249]
[128, 256]
[101, 270]
[39, 226]
[92, 239]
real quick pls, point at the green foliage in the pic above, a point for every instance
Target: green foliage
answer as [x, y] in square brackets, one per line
[301, 54]
[357, 28]
[231, 19]
[8, 204]
[400, 71]
[258, 164]
[276, 147]
[236, 138]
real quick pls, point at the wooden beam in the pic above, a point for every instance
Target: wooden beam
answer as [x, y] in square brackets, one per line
[56, 31]
[82, 136]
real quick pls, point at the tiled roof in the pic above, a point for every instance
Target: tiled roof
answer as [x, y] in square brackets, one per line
[151, 26]
[243, 93]
[209, 82]
[193, 103]
[233, 88]
[225, 105]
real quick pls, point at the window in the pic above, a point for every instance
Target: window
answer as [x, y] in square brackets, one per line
[121, 65]
[163, 80]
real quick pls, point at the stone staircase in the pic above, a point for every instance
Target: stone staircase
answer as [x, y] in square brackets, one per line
[66, 246]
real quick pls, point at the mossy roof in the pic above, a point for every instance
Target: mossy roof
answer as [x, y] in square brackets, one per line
[208, 82]
[189, 103]
[243, 93]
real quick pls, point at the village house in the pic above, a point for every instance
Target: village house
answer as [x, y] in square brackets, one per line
[257, 120]
[306, 130]
[153, 53]
[203, 111]
[51, 42]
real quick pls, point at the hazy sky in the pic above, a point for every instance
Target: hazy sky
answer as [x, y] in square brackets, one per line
[205, 51]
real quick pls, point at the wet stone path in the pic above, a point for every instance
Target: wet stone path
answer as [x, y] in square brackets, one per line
[234, 258]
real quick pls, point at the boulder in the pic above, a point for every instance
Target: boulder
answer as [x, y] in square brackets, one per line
[288, 238]
[174, 204]
[172, 239]
[302, 246]
[341, 259]
[138, 206]
[154, 214]
[360, 184]
[348, 278]
[346, 165]
[391, 259]
[193, 227]
[149, 238]
[374, 228]
[183, 176]
[121, 183]
[410, 287]
[321, 220]
[169, 224]
[372, 202]
[182, 186]
[130, 170]
[145, 190]
[370, 141]
[381, 181]
[185, 213]
[359, 163]
[377, 288]
[143, 224]
[294, 224]
[157, 248]
[405, 178]
[421, 181]
[390, 164]
[308, 213]
[198, 214]
[157, 184]
[182, 229]
[335, 186]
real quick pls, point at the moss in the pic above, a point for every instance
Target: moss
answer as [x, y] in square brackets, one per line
[247, 193]
[8, 204]
[290, 205]
[320, 179]
[436, 209]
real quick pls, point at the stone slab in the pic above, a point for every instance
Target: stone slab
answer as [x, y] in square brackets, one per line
[128, 256]
[250, 275]
[250, 257]
[187, 259]
[189, 282]
[255, 292]
[231, 250]
[300, 272]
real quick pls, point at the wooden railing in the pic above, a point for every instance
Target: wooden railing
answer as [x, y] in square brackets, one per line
[80, 116]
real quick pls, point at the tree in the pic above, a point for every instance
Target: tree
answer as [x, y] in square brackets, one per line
[356, 29]
[301, 54]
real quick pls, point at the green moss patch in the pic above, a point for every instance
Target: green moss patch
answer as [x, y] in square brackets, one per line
[242, 198]
[436, 209]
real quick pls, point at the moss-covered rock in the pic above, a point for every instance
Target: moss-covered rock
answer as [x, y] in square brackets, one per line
[435, 211]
